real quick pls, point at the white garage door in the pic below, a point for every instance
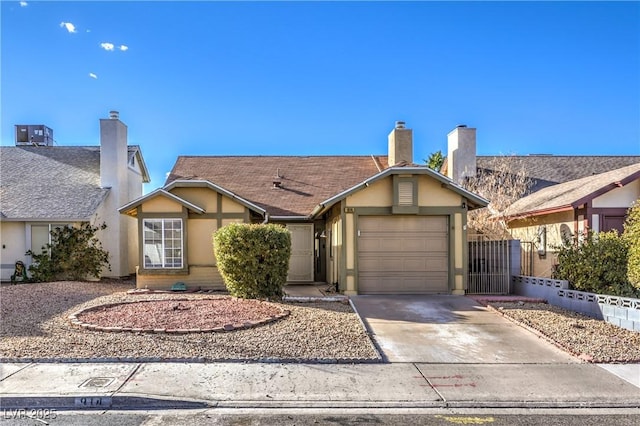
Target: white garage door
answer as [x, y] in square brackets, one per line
[403, 255]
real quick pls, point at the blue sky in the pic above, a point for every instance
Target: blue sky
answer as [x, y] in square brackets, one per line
[326, 78]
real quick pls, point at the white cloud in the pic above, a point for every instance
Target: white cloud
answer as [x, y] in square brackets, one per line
[111, 47]
[24, 4]
[69, 26]
[92, 75]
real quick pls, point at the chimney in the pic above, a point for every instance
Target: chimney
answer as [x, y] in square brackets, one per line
[461, 153]
[114, 170]
[113, 151]
[400, 145]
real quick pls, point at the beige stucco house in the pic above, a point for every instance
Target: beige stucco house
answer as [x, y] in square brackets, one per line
[376, 224]
[561, 212]
[44, 185]
[569, 194]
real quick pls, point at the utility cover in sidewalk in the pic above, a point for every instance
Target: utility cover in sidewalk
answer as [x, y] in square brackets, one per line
[98, 382]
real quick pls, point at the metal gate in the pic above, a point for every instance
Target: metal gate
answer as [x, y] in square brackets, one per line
[491, 264]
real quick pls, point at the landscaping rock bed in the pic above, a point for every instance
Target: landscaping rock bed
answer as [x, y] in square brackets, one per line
[179, 315]
[35, 326]
[590, 339]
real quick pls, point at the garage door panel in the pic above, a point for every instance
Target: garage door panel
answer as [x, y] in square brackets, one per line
[392, 284]
[403, 254]
[394, 244]
[407, 264]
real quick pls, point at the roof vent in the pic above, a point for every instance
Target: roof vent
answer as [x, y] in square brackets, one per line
[400, 124]
[277, 180]
[461, 125]
[114, 115]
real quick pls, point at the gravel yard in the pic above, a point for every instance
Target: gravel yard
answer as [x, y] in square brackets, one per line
[35, 326]
[591, 339]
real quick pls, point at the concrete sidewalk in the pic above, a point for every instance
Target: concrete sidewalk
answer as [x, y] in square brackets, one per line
[146, 386]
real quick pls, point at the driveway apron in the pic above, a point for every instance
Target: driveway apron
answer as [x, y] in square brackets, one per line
[449, 329]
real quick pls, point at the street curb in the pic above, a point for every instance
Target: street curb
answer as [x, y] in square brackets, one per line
[72, 403]
[96, 402]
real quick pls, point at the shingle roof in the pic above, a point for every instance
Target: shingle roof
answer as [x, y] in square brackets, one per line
[59, 183]
[572, 194]
[306, 181]
[547, 170]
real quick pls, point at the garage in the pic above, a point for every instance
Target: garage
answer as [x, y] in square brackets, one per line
[403, 255]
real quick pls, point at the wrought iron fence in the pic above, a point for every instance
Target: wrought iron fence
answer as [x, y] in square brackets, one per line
[491, 265]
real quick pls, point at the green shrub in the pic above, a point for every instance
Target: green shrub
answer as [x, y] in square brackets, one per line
[253, 259]
[74, 253]
[597, 265]
[631, 235]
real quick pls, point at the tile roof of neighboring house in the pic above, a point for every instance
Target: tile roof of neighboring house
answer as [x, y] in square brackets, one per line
[572, 194]
[547, 170]
[306, 180]
[50, 183]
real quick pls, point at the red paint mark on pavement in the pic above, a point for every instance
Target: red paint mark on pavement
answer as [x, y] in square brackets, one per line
[455, 385]
[457, 376]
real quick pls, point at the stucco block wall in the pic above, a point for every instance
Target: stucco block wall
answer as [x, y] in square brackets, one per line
[200, 241]
[135, 190]
[621, 311]
[432, 194]
[205, 277]
[201, 197]
[526, 230]
[378, 194]
[161, 205]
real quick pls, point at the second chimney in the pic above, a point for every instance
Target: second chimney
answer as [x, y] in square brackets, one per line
[400, 145]
[461, 153]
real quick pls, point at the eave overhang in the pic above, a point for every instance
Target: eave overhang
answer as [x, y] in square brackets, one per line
[186, 183]
[131, 209]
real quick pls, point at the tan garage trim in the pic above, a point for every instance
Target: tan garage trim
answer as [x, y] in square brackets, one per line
[403, 254]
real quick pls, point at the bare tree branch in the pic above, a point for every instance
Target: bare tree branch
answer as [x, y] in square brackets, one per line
[502, 182]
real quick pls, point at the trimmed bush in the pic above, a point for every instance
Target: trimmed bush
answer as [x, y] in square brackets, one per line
[74, 253]
[596, 265]
[253, 259]
[631, 235]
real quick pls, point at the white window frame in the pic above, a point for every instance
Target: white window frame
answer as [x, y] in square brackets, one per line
[50, 227]
[161, 243]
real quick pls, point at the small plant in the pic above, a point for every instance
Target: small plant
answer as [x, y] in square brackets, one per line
[74, 253]
[253, 259]
[598, 264]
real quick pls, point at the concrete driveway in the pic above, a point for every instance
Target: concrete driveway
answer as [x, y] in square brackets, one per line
[449, 329]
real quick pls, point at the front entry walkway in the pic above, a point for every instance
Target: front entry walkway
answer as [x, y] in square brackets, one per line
[449, 329]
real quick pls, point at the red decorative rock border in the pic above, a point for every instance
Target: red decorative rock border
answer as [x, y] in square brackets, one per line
[73, 318]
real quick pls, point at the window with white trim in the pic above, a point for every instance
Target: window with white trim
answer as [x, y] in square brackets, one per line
[163, 242]
[41, 235]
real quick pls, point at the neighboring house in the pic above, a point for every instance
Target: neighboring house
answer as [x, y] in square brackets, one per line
[569, 194]
[44, 186]
[368, 224]
[558, 213]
